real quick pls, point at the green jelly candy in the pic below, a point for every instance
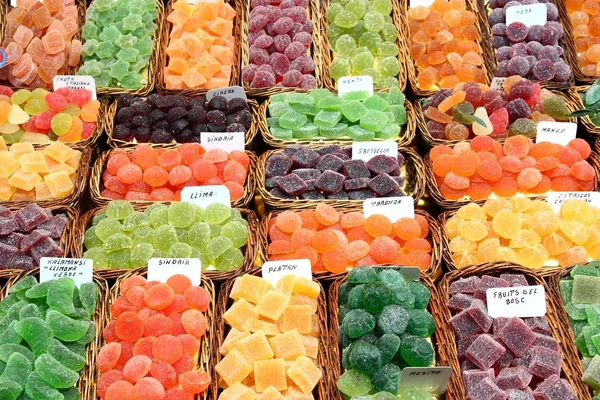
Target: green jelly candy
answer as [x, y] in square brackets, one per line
[388, 66]
[360, 134]
[272, 122]
[396, 97]
[345, 44]
[236, 232]
[118, 241]
[376, 102]
[414, 394]
[353, 383]
[417, 352]
[36, 333]
[18, 367]
[339, 68]
[278, 98]
[29, 310]
[23, 284]
[342, 312]
[373, 21]
[88, 295]
[591, 375]
[141, 254]
[20, 96]
[357, 7]
[135, 220]
[15, 310]
[383, 396]
[277, 109]
[217, 246]
[370, 40]
[142, 235]
[463, 113]
[71, 394]
[9, 390]
[119, 209]
[355, 297]
[281, 133]
[566, 290]
[556, 107]
[292, 120]
[217, 213]
[107, 227]
[523, 126]
[65, 356]
[332, 11]
[389, 131]
[9, 335]
[365, 357]
[421, 323]
[299, 98]
[163, 237]
[119, 258]
[90, 240]
[587, 270]
[199, 235]
[54, 373]
[387, 49]
[307, 131]
[60, 295]
[182, 214]
[358, 95]
[66, 328]
[231, 259]
[421, 293]
[362, 61]
[61, 123]
[388, 345]
[353, 110]
[345, 19]
[160, 218]
[383, 7]
[343, 292]
[588, 333]
[585, 289]
[331, 103]
[98, 256]
[358, 322]
[7, 349]
[89, 335]
[36, 106]
[179, 250]
[374, 120]
[387, 378]
[318, 94]
[394, 319]
[7, 303]
[306, 108]
[99, 216]
[336, 132]
[375, 296]
[327, 119]
[37, 388]
[596, 342]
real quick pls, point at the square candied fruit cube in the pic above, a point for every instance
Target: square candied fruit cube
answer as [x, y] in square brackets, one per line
[238, 313]
[294, 393]
[6, 190]
[255, 325]
[34, 163]
[305, 374]
[238, 392]
[285, 284]
[271, 394]
[255, 347]
[300, 299]
[231, 340]
[270, 373]
[23, 180]
[18, 149]
[272, 305]
[59, 151]
[288, 345]
[75, 159]
[233, 368]
[8, 165]
[311, 346]
[299, 318]
[307, 287]
[60, 184]
[249, 287]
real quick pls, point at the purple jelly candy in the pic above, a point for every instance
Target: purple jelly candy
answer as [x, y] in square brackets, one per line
[484, 351]
[276, 192]
[399, 180]
[516, 32]
[341, 195]
[45, 248]
[356, 184]
[8, 225]
[562, 72]
[503, 54]
[486, 389]
[521, 89]
[270, 183]
[546, 341]
[308, 82]
[472, 378]
[5, 212]
[329, 162]
[514, 394]
[559, 28]
[362, 194]
[304, 38]
[382, 185]
[12, 239]
[515, 279]
[248, 72]
[535, 33]
[259, 56]
[544, 362]
[290, 151]
[6, 255]
[518, 108]
[519, 66]
[281, 42]
[292, 78]
[550, 36]
[506, 360]
[22, 261]
[257, 22]
[489, 282]
[524, 360]
[465, 285]
[460, 302]
[382, 164]
[518, 50]
[263, 79]
[496, 17]
[500, 41]
[305, 157]
[294, 50]
[280, 64]
[330, 182]
[516, 336]
[308, 173]
[544, 70]
[353, 169]
[310, 183]
[554, 388]
[538, 324]
[534, 48]
[297, 14]
[549, 53]
[330, 149]
[32, 239]
[464, 325]
[278, 165]
[499, 29]
[463, 344]
[467, 366]
[263, 42]
[499, 323]
[312, 195]
[513, 378]
[292, 185]
[55, 225]
[478, 311]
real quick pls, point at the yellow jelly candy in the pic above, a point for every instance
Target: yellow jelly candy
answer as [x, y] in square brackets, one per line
[544, 222]
[272, 305]
[473, 230]
[452, 227]
[472, 211]
[233, 368]
[34, 162]
[60, 184]
[238, 391]
[231, 340]
[249, 287]
[42, 192]
[482, 126]
[533, 257]
[255, 347]
[525, 237]
[8, 128]
[506, 223]
[238, 313]
[539, 205]
[270, 373]
[311, 346]
[556, 243]
[18, 149]
[577, 210]
[460, 244]
[17, 115]
[74, 160]
[593, 237]
[23, 180]
[520, 204]
[305, 374]
[572, 256]
[297, 317]
[8, 165]
[463, 259]
[288, 345]
[306, 286]
[6, 190]
[3, 144]
[285, 284]
[255, 325]
[36, 138]
[303, 300]
[575, 231]
[488, 250]
[492, 206]
[507, 254]
[60, 152]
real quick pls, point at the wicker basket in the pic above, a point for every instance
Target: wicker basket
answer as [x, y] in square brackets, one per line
[401, 43]
[165, 38]
[109, 125]
[449, 344]
[482, 9]
[449, 205]
[435, 238]
[437, 338]
[431, 142]
[413, 171]
[6, 275]
[314, 51]
[321, 392]
[86, 384]
[408, 139]
[205, 358]
[80, 181]
[96, 183]
[575, 94]
[486, 52]
[77, 246]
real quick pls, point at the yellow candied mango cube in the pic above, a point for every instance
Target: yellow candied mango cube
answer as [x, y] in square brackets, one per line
[231, 340]
[305, 374]
[249, 287]
[303, 300]
[238, 313]
[311, 346]
[294, 393]
[255, 325]
[315, 328]
[59, 152]
[238, 392]
[8, 165]
[249, 381]
[297, 317]
[60, 184]
[42, 192]
[23, 195]
[270, 373]
[255, 347]
[34, 163]
[18, 149]
[288, 345]
[6, 190]
[73, 162]
[285, 284]
[272, 305]
[306, 286]
[57, 167]
[3, 146]
[271, 394]
[233, 368]
[23, 180]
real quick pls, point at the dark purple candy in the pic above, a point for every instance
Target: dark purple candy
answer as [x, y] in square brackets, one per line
[292, 78]
[518, 108]
[292, 185]
[551, 12]
[270, 183]
[5, 212]
[515, 279]
[516, 32]
[312, 195]
[466, 285]
[496, 16]
[21, 261]
[310, 183]
[329, 162]
[258, 56]
[263, 79]
[382, 184]
[356, 169]
[562, 72]
[519, 50]
[550, 36]
[12, 239]
[276, 192]
[356, 184]
[499, 29]
[280, 64]
[518, 66]
[360, 194]
[278, 165]
[308, 82]
[294, 50]
[45, 248]
[329, 149]
[341, 195]
[535, 33]
[382, 164]
[503, 53]
[544, 70]
[500, 41]
[330, 182]
[308, 173]
[435, 129]
[305, 157]
[248, 72]
[521, 89]
[30, 217]
[32, 239]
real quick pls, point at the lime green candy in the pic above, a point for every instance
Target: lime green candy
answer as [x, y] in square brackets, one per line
[54, 373]
[61, 123]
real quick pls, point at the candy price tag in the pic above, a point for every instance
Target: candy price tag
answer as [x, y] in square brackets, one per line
[161, 269]
[556, 132]
[228, 141]
[202, 196]
[498, 83]
[367, 150]
[275, 270]
[416, 3]
[392, 207]
[75, 82]
[556, 199]
[532, 14]
[230, 92]
[78, 269]
[432, 379]
[347, 84]
[516, 301]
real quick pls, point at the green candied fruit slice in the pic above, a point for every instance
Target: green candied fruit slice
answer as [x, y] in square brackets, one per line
[393, 319]
[463, 113]
[292, 119]
[15, 310]
[566, 290]
[119, 209]
[389, 131]
[592, 312]
[587, 270]
[375, 296]
[66, 328]
[7, 349]
[355, 297]
[272, 122]
[88, 295]
[396, 97]
[9, 335]
[215, 231]
[65, 356]
[199, 215]
[230, 260]
[585, 289]
[389, 82]
[119, 259]
[383, 7]
[135, 220]
[20, 96]
[9, 389]
[336, 132]
[23, 284]
[217, 213]
[98, 256]
[237, 232]
[278, 98]
[415, 394]
[353, 383]
[388, 67]
[345, 19]
[523, 126]
[353, 110]
[357, 323]
[556, 107]
[327, 119]
[89, 335]
[370, 40]
[179, 250]
[332, 11]
[36, 388]
[386, 378]
[29, 310]
[36, 333]
[387, 49]
[217, 246]
[343, 292]
[18, 367]
[71, 394]
[118, 241]
[417, 351]
[333, 103]
[360, 134]
[576, 311]
[591, 375]
[36, 292]
[362, 61]
[107, 227]
[389, 32]
[376, 102]
[364, 357]
[399, 111]
[340, 67]
[199, 235]
[422, 294]
[60, 295]
[182, 214]
[421, 323]
[100, 215]
[159, 216]
[360, 95]
[90, 240]
[374, 120]
[307, 131]
[281, 133]
[299, 98]
[277, 109]
[7, 303]
[318, 94]
[388, 345]
[54, 373]
[306, 108]
[163, 237]
[345, 44]
[141, 254]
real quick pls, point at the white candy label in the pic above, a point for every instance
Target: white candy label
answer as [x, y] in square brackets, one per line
[202, 196]
[424, 3]
[556, 132]
[78, 269]
[517, 301]
[498, 83]
[75, 82]
[228, 141]
[432, 379]
[161, 269]
[275, 270]
[367, 150]
[349, 84]
[231, 92]
[556, 199]
[532, 14]
[392, 207]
